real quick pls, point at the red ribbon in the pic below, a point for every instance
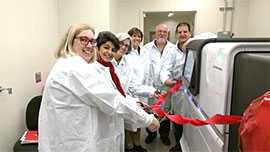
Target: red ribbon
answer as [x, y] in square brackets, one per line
[180, 120]
[216, 119]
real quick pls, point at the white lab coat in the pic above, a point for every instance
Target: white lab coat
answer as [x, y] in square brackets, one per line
[140, 64]
[124, 71]
[172, 68]
[130, 70]
[125, 74]
[82, 111]
[129, 79]
[156, 61]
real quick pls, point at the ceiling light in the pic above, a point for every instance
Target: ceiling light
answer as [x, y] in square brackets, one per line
[170, 14]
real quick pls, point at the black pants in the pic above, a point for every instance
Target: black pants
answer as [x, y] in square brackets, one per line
[164, 130]
[178, 132]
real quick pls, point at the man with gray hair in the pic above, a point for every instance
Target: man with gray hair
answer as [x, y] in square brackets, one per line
[157, 52]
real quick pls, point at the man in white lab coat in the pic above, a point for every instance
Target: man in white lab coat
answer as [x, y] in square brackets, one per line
[157, 52]
[82, 109]
[171, 71]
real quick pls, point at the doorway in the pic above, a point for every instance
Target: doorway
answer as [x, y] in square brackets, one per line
[170, 18]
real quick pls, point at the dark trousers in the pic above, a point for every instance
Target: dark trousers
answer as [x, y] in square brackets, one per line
[178, 132]
[164, 130]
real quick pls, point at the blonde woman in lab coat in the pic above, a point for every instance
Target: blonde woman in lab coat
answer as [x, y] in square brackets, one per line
[82, 110]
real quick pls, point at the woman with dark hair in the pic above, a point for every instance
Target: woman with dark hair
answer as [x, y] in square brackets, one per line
[108, 45]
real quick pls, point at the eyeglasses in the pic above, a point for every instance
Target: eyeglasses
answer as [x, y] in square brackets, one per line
[85, 41]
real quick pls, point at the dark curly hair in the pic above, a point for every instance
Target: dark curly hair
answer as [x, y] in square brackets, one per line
[106, 36]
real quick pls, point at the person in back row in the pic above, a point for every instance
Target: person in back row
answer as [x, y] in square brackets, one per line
[171, 72]
[157, 52]
[83, 107]
[138, 58]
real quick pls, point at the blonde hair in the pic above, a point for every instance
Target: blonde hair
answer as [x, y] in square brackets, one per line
[66, 46]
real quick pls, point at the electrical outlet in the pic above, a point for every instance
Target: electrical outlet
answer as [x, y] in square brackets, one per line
[9, 90]
[38, 77]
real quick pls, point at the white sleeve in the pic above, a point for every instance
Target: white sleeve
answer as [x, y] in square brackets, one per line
[94, 90]
[172, 67]
[137, 88]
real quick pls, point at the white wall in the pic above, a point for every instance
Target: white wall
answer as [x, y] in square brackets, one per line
[27, 42]
[31, 31]
[208, 17]
[92, 12]
[259, 23]
[30, 34]
[113, 15]
[240, 18]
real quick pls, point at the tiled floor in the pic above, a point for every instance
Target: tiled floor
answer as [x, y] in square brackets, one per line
[157, 145]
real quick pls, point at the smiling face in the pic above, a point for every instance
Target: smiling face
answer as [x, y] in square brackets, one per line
[136, 39]
[183, 34]
[162, 33]
[124, 46]
[84, 45]
[122, 50]
[106, 51]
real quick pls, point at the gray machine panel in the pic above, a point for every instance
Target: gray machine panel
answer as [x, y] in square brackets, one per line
[251, 79]
[245, 75]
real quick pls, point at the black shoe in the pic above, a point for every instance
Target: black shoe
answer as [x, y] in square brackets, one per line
[176, 148]
[166, 141]
[139, 149]
[149, 139]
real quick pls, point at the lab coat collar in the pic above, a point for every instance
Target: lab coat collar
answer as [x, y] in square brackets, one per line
[104, 71]
[135, 51]
[179, 49]
[122, 61]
